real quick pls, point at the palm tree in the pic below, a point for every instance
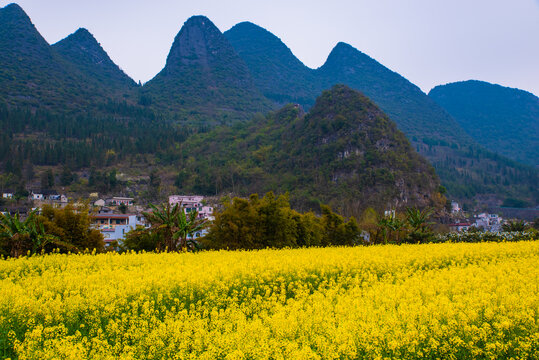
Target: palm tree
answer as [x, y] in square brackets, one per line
[396, 225]
[174, 225]
[390, 224]
[418, 220]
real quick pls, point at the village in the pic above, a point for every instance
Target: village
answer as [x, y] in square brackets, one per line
[114, 216]
[118, 215]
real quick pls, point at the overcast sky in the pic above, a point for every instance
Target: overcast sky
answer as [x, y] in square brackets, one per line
[429, 42]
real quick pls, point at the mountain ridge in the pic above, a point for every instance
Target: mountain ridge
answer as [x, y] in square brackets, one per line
[83, 51]
[504, 120]
[204, 75]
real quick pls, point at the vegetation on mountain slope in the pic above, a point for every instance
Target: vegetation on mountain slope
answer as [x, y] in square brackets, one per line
[504, 120]
[33, 74]
[468, 170]
[344, 152]
[85, 53]
[204, 80]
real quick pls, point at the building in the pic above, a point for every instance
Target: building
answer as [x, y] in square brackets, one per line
[488, 222]
[114, 226]
[36, 196]
[455, 207]
[7, 194]
[192, 203]
[99, 203]
[459, 227]
[118, 200]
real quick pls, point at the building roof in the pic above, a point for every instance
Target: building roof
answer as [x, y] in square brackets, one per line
[111, 216]
[461, 224]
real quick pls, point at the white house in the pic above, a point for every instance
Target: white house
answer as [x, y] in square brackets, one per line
[114, 226]
[99, 203]
[37, 196]
[459, 227]
[191, 203]
[489, 222]
[7, 194]
[118, 200]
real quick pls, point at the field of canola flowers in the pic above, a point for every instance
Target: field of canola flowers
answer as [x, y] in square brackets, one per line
[436, 301]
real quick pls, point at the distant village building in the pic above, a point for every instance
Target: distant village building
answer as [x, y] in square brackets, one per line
[192, 203]
[488, 222]
[118, 200]
[114, 226]
[99, 202]
[459, 227]
[105, 210]
[36, 196]
[455, 208]
[484, 221]
[7, 194]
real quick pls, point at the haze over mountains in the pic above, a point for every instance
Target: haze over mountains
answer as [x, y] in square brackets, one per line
[213, 78]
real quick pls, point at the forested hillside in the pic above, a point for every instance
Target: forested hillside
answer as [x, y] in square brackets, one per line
[466, 168]
[87, 55]
[502, 119]
[69, 105]
[204, 80]
[345, 152]
[34, 74]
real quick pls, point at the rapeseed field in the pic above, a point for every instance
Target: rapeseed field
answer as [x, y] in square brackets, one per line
[435, 301]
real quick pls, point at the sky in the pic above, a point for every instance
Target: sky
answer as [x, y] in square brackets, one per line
[429, 42]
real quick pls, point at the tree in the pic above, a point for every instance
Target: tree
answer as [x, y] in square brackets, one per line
[140, 240]
[47, 180]
[173, 226]
[19, 237]
[155, 180]
[66, 178]
[418, 222]
[122, 208]
[73, 226]
[256, 223]
[512, 226]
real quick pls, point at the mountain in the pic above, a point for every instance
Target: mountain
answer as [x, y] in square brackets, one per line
[502, 119]
[34, 74]
[204, 78]
[466, 168]
[84, 52]
[277, 72]
[345, 152]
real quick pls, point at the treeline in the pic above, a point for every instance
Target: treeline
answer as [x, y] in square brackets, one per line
[82, 141]
[66, 230]
[257, 223]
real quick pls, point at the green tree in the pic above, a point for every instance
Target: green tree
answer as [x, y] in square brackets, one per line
[518, 225]
[72, 225]
[174, 226]
[17, 237]
[47, 178]
[419, 224]
[140, 240]
[66, 177]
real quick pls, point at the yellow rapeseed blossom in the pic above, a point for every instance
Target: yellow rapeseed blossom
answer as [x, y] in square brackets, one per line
[436, 301]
